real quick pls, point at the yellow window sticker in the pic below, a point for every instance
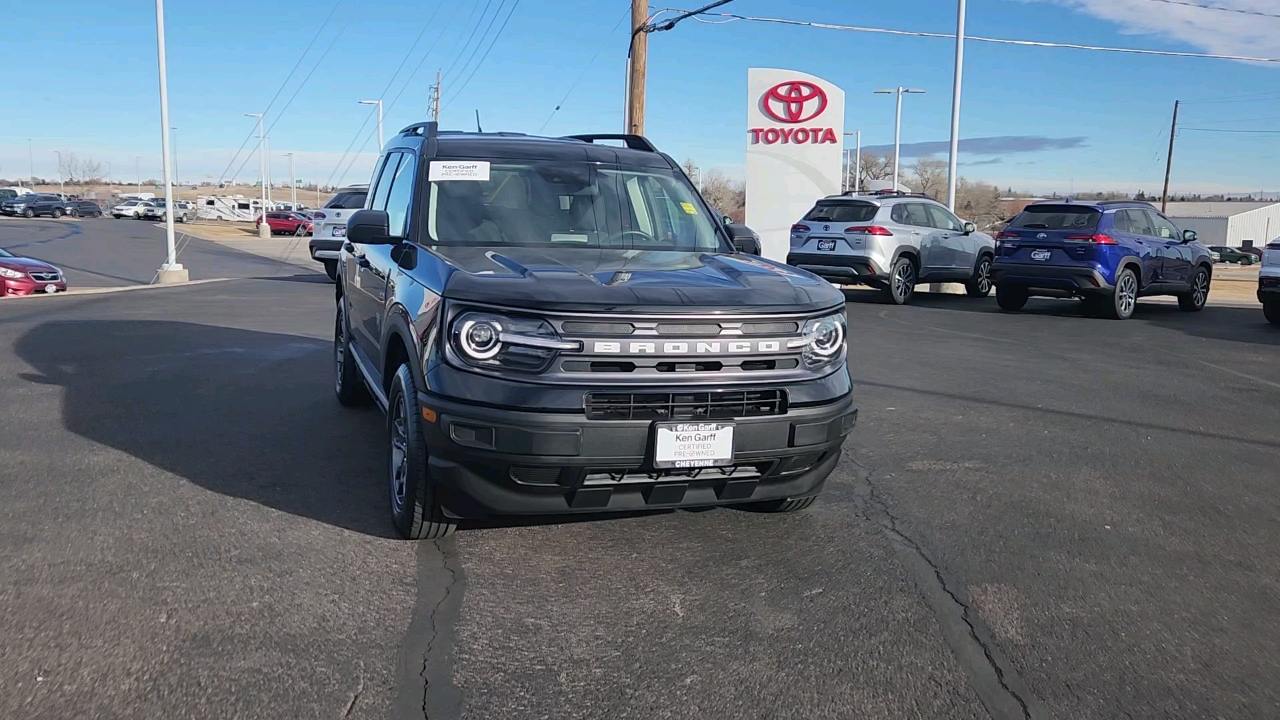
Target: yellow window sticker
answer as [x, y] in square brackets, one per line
[689, 208]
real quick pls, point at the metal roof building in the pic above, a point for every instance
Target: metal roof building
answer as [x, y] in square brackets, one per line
[1234, 224]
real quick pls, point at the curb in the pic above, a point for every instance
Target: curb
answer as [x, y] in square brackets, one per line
[126, 288]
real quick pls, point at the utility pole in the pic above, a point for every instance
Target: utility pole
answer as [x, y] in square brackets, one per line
[293, 187]
[379, 104]
[638, 57]
[954, 149]
[31, 158]
[637, 66]
[433, 102]
[266, 150]
[264, 230]
[1168, 161]
[897, 125]
[170, 271]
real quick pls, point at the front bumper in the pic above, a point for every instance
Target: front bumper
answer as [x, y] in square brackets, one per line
[845, 269]
[491, 461]
[1037, 276]
[326, 249]
[27, 286]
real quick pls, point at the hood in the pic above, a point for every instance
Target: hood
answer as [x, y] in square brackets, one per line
[610, 280]
[26, 264]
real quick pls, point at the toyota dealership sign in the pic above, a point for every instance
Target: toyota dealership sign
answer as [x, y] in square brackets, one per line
[795, 133]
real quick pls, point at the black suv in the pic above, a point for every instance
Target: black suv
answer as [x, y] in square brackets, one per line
[559, 325]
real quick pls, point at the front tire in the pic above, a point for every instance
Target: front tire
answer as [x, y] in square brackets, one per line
[902, 281]
[1011, 298]
[28, 213]
[414, 508]
[1124, 299]
[348, 385]
[980, 285]
[1194, 299]
[1272, 311]
[57, 213]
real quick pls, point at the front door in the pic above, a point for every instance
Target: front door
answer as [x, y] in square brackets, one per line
[1135, 225]
[961, 249]
[1175, 256]
[366, 273]
[932, 252]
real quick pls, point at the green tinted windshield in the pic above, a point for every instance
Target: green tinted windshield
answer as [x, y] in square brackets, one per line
[571, 204]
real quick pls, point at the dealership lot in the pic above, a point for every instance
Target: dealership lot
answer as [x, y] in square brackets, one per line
[1042, 510]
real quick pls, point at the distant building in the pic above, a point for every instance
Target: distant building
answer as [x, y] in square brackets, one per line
[1234, 224]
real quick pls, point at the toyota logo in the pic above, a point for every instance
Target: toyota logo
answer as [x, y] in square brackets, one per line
[1041, 236]
[794, 101]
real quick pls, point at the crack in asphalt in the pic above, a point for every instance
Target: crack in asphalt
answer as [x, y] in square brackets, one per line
[995, 701]
[424, 686]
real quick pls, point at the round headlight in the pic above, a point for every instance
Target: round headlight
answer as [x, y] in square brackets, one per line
[828, 337]
[479, 339]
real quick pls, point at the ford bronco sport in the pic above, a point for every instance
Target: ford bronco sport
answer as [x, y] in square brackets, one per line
[560, 325]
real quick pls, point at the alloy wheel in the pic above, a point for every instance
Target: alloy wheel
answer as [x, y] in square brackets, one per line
[399, 455]
[1200, 289]
[1127, 294]
[984, 276]
[903, 280]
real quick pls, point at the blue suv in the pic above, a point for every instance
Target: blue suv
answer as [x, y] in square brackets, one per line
[1108, 254]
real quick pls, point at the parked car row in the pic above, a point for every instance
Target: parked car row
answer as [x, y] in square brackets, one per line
[184, 211]
[46, 204]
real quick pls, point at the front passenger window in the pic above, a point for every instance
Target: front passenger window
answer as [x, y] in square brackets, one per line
[942, 219]
[1163, 228]
[384, 182]
[401, 196]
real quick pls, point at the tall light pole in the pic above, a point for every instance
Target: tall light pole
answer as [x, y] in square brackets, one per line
[171, 271]
[137, 168]
[264, 230]
[379, 104]
[897, 125]
[31, 158]
[954, 150]
[62, 190]
[293, 188]
[174, 130]
[266, 150]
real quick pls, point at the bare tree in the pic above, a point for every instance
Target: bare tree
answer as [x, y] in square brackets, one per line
[79, 170]
[875, 167]
[928, 176]
[726, 195]
[980, 203]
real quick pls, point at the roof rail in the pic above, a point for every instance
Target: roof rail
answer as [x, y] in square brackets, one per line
[635, 142]
[425, 129]
[887, 193]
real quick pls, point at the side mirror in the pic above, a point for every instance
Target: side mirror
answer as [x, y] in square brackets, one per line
[746, 244]
[1188, 236]
[726, 220]
[369, 227]
[970, 228]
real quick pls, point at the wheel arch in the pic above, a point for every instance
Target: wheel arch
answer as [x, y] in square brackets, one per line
[398, 347]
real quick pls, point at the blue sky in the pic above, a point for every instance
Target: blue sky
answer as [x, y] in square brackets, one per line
[1065, 120]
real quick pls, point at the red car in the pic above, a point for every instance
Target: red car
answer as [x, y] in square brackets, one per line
[289, 223]
[26, 276]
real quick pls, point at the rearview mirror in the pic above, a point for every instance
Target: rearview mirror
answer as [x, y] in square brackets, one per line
[970, 228]
[369, 227]
[1188, 236]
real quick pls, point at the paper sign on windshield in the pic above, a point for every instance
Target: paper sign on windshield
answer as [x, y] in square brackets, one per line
[459, 170]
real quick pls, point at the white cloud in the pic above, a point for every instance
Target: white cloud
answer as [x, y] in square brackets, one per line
[1215, 31]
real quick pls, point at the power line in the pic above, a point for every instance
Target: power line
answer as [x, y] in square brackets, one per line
[484, 57]
[1223, 122]
[279, 90]
[1001, 41]
[465, 45]
[303, 84]
[1252, 97]
[1219, 8]
[1226, 130]
[625, 14]
[462, 70]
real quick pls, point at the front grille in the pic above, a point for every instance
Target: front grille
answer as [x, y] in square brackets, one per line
[720, 405]
[41, 276]
[635, 476]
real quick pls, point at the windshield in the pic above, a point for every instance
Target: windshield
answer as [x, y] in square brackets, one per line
[1057, 217]
[842, 212]
[571, 204]
[349, 200]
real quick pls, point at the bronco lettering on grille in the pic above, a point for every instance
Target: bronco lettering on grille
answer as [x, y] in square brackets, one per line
[610, 347]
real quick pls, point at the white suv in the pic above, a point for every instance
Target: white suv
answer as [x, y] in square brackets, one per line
[1269, 282]
[891, 240]
[131, 209]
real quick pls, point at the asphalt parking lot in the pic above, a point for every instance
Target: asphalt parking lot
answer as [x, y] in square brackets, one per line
[1039, 515]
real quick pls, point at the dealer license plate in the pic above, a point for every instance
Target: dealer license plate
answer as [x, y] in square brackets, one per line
[51, 289]
[826, 244]
[692, 444]
[1041, 254]
[340, 231]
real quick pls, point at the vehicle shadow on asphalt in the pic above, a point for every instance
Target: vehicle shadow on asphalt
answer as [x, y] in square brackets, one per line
[1215, 322]
[242, 413]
